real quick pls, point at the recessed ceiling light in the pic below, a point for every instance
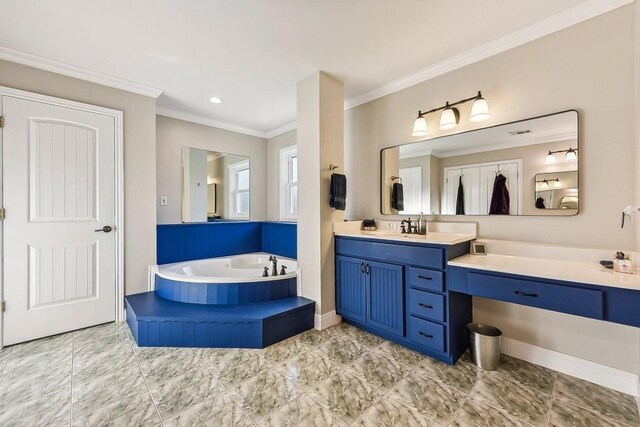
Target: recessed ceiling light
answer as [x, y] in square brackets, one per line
[215, 100]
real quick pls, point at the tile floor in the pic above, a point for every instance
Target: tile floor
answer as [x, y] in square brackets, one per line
[337, 377]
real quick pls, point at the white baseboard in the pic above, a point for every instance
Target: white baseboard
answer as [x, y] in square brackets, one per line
[606, 376]
[324, 321]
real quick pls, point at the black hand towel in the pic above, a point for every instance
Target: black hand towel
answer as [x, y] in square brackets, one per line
[460, 199]
[338, 191]
[500, 200]
[397, 196]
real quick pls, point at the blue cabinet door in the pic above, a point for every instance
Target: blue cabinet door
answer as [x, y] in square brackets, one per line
[385, 307]
[350, 288]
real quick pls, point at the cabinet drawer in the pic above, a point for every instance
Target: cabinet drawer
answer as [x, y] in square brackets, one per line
[426, 333]
[391, 252]
[565, 299]
[425, 279]
[426, 304]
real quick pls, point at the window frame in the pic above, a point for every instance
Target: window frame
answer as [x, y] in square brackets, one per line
[287, 154]
[233, 171]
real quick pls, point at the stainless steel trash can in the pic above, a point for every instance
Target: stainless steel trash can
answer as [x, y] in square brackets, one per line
[484, 345]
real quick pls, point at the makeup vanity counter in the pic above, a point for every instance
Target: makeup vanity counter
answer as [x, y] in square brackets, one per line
[557, 278]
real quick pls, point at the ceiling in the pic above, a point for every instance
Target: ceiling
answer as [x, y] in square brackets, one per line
[251, 53]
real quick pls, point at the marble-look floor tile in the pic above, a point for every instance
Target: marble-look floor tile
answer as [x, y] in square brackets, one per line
[527, 374]
[42, 410]
[63, 342]
[401, 354]
[218, 409]
[282, 351]
[99, 331]
[104, 362]
[430, 397]
[16, 387]
[346, 395]
[53, 363]
[477, 414]
[309, 369]
[388, 412]
[265, 391]
[519, 401]
[233, 366]
[91, 391]
[379, 369]
[167, 361]
[314, 337]
[137, 410]
[101, 344]
[341, 350]
[177, 393]
[360, 336]
[461, 376]
[610, 403]
[565, 414]
[303, 411]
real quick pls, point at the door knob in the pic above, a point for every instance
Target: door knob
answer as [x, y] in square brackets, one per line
[105, 229]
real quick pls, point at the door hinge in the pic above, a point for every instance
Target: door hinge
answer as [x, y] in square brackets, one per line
[2, 214]
[1, 121]
[3, 306]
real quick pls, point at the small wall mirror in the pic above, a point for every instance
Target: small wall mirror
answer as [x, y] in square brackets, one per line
[489, 171]
[215, 186]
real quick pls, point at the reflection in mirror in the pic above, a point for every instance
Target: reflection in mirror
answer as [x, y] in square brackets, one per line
[488, 171]
[215, 186]
[557, 190]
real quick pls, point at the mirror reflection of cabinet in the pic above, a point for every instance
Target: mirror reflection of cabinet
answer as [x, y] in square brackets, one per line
[215, 186]
[518, 150]
[557, 191]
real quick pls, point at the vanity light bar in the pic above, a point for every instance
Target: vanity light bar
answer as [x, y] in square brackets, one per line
[450, 116]
[571, 155]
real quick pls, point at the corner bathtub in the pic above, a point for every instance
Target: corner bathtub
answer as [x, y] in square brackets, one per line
[224, 281]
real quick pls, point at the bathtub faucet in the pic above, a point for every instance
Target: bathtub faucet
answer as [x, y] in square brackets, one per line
[274, 261]
[265, 273]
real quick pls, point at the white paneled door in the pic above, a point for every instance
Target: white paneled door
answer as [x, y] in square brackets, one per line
[59, 246]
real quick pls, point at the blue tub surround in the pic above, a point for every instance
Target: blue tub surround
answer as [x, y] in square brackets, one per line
[581, 288]
[397, 287]
[184, 242]
[159, 322]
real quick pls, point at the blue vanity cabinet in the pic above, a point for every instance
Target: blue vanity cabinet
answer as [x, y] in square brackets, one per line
[370, 292]
[398, 290]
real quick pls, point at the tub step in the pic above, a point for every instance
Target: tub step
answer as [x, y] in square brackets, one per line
[158, 322]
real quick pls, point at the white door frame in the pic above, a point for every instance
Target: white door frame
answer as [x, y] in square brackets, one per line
[119, 187]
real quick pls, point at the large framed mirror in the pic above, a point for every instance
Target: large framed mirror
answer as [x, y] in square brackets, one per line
[215, 186]
[528, 167]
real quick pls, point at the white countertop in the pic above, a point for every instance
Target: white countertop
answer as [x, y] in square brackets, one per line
[431, 238]
[569, 271]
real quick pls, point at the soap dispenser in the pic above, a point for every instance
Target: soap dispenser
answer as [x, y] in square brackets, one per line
[422, 224]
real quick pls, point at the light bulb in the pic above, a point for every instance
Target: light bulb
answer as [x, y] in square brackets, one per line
[545, 184]
[557, 183]
[420, 126]
[479, 110]
[571, 155]
[550, 159]
[449, 118]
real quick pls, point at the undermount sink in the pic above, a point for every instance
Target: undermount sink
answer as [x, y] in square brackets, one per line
[434, 237]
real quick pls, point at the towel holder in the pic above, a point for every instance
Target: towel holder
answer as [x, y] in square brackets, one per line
[393, 178]
[333, 167]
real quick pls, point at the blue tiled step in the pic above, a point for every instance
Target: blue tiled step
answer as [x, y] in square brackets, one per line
[158, 322]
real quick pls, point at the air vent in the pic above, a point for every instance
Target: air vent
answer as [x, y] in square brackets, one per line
[520, 132]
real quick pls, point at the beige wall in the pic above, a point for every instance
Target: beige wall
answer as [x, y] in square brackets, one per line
[569, 69]
[276, 144]
[139, 148]
[173, 134]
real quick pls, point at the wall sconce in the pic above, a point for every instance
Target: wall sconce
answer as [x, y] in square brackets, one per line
[545, 183]
[450, 116]
[571, 155]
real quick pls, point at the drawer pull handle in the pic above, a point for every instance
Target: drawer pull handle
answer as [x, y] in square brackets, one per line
[425, 278]
[362, 267]
[524, 294]
[425, 306]
[425, 335]
[366, 269]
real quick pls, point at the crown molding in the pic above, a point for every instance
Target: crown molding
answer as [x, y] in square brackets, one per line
[193, 118]
[47, 64]
[281, 129]
[560, 21]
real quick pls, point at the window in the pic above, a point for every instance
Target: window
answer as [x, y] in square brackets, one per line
[289, 183]
[239, 179]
